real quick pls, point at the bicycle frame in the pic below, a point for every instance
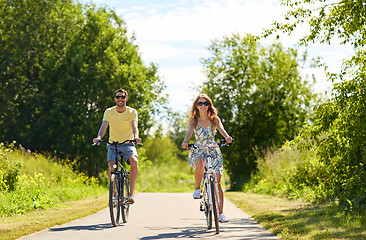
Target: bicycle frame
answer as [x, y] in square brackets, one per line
[209, 174]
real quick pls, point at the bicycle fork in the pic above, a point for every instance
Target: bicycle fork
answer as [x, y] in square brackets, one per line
[217, 190]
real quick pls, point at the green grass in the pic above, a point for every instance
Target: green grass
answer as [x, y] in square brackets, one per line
[165, 173]
[18, 225]
[293, 219]
[33, 181]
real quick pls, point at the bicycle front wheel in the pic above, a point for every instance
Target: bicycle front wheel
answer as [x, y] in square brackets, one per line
[208, 209]
[125, 206]
[114, 204]
[214, 206]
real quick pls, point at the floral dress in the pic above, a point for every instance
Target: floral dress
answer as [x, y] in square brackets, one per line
[206, 137]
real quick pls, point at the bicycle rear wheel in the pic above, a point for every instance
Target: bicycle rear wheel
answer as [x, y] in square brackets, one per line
[125, 206]
[114, 204]
[208, 210]
[214, 206]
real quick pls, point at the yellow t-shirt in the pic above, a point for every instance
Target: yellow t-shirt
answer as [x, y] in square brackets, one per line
[120, 124]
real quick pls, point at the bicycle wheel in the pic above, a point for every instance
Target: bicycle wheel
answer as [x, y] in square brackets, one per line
[214, 206]
[125, 207]
[208, 210]
[114, 195]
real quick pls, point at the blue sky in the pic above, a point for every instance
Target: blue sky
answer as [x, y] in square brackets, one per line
[176, 33]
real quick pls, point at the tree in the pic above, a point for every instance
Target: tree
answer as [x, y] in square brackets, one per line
[60, 63]
[339, 125]
[260, 95]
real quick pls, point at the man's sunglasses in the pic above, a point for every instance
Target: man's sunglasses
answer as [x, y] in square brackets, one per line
[203, 103]
[118, 97]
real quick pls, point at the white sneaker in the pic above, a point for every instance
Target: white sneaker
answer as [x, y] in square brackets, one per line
[223, 218]
[197, 194]
[131, 199]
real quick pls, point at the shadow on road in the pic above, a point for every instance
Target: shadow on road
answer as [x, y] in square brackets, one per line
[234, 229]
[96, 227]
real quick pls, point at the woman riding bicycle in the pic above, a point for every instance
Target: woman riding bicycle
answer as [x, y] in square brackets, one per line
[204, 122]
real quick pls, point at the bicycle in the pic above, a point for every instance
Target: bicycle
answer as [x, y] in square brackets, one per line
[210, 198]
[119, 186]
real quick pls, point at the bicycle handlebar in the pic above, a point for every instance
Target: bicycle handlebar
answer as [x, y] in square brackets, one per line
[220, 143]
[116, 143]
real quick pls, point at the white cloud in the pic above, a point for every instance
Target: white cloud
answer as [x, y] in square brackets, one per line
[208, 20]
[176, 35]
[182, 85]
[159, 51]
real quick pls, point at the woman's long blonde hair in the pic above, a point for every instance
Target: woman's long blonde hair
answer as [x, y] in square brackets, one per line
[211, 112]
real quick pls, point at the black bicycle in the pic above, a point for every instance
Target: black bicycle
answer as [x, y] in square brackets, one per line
[119, 185]
[210, 198]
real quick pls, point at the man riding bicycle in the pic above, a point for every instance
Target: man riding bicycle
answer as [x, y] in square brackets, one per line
[122, 121]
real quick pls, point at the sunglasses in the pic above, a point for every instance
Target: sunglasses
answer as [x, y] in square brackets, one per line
[118, 97]
[203, 103]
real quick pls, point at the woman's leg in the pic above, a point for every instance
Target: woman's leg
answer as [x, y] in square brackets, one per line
[221, 194]
[198, 172]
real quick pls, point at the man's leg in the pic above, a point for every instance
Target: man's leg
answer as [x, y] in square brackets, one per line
[110, 169]
[133, 173]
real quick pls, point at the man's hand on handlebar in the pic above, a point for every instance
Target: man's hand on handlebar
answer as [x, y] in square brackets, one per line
[96, 141]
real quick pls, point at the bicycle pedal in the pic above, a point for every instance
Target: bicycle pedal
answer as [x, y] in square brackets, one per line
[202, 207]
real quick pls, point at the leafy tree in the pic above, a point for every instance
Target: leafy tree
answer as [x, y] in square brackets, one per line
[60, 63]
[339, 125]
[177, 132]
[260, 95]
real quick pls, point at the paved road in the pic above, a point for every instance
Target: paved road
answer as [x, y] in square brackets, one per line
[158, 216]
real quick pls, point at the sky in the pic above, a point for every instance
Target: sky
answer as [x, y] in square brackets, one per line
[175, 35]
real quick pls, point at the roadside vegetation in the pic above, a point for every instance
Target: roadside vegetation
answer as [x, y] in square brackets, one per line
[31, 181]
[295, 219]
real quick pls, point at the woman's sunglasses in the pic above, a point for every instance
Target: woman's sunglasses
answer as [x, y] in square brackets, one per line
[118, 97]
[203, 103]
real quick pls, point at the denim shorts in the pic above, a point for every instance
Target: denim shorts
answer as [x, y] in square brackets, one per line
[127, 151]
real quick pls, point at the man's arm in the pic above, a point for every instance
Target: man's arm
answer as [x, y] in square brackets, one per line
[101, 132]
[135, 131]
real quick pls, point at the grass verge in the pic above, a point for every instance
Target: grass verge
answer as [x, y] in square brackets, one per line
[290, 219]
[17, 226]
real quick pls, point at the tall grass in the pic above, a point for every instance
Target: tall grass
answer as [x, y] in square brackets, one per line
[163, 171]
[34, 181]
[287, 172]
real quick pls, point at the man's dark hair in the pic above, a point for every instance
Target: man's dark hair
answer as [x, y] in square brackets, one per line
[122, 91]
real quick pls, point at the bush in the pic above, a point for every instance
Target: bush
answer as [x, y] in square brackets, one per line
[32, 181]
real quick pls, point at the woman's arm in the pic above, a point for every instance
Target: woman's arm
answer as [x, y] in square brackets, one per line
[222, 130]
[188, 135]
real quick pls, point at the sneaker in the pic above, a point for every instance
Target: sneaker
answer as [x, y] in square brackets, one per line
[131, 199]
[223, 218]
[197, 194]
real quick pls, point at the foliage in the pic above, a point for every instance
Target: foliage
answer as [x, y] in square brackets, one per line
[260, 95]
[339, 124]
[37, 182]
[290, 172]
[177, 132]
[161, 169]
[325, 20]
[60, 63]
